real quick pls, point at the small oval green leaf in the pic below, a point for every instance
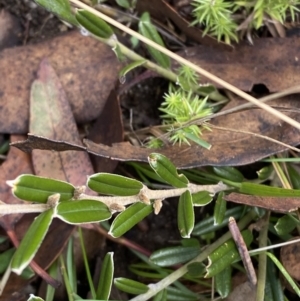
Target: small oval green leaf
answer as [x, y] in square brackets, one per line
[82, 211]
[106, 183]
[174, 255]
[129, 218]
[185, 215]
[286, 225]
[61, 8]
[31, 241]
[106, 277]
[130, 286]
[229, 173]
[196, 269]
[226, 254]
[167, 171]
[123, 3]
[38, 189]
[223, 282]
[219, 209]
[201, 198]
[93, 24]
[207, 225]
[265, 173]
[148, 30]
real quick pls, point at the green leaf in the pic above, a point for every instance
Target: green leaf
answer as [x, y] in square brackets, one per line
[198, 140]
[129, 218]
[123, 3]
[38, 189]
[175, 294]
[226, 254]
[106, 183]
[201, 198]
[34, 298]
[131, 66]
[264, 190]
[174, 255]
[274, 288]
[196, 269]
[82, 211]
[106, 277]
[185, 214]
[286, 225]
[31, 241]
[167, 171]
[61, 8]
[284, 272]
[265, 173]
[130, 286]
[223, 282]
[5, 258]
[148, 30]
[207, 225]
[294, 176]
[220, 209]
[161, 296]
[229, 173]
[93, 24]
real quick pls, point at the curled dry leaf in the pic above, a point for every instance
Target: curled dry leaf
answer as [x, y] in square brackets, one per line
[228, 148]
[87, 69]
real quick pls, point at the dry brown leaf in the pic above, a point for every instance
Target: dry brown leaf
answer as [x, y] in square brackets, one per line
[16, 163]
[242, 292]
[272, 62]
[10, 30]
[278, 204]
[290, 259]
[228, 148]
[107, 129]
[51, 115]
[87, 69]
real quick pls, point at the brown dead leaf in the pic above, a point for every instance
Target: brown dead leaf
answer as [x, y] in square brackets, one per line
[290, 259]
[10, 29]
[278, 204]
[228, 148]
[16, 163]
[107, 129]
[272, 62]
[243, 292]
[86, 68]
[51, 115]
